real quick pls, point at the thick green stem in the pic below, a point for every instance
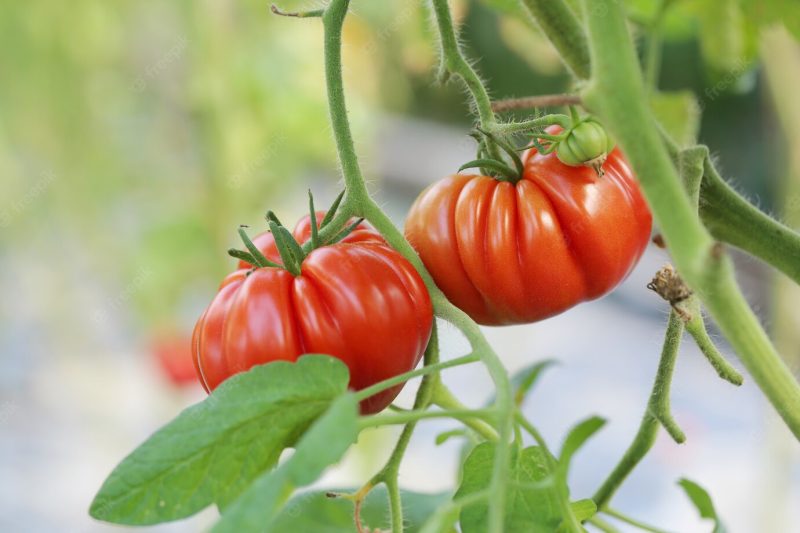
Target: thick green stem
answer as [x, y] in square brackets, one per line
[734, 220]
[564, 30]
[658, 412]
[616, 94]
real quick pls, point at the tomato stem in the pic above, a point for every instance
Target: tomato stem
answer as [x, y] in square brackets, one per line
[657, 412]
[358, 202]
[533, 102]
[424, 371]
[617, 95]
[454, 62]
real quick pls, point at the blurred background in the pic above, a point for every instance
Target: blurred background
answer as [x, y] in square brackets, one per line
[135, 136]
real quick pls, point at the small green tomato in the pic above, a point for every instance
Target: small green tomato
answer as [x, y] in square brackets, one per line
[587, 144]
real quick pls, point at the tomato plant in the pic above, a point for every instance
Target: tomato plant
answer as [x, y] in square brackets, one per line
[355, 299]
[510, 253]
[510, 245]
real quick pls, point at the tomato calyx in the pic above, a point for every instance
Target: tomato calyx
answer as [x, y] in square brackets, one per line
[584, 143]
[498, 169]
[291, 252]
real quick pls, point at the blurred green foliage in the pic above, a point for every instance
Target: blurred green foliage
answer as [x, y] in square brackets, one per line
[136, 136]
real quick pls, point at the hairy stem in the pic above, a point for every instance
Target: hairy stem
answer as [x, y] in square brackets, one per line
[697, 329]
[734, 220]
[616, 94]
[454, 62]
[362, 205]
[658, 412]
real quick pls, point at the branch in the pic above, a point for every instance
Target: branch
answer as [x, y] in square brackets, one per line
[734, 220]
[616, 94]
[357, 202]
[532, 102]
[657, 412]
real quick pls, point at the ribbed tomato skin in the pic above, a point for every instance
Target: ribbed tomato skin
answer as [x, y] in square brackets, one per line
[516, 253]
[359, 301]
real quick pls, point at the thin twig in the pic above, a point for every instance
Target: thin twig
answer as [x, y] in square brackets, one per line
[532, 102]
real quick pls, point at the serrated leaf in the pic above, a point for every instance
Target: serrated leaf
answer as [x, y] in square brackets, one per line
[213, 450]
[702, 501]
[679, 114]
[322, 445]
[532, 504]
[314, 512]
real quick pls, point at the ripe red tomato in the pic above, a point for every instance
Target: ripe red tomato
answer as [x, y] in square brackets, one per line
[510, 253]
[174, 358]
[358, 300]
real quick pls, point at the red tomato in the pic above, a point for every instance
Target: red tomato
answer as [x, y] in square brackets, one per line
[358, 300]
[174, 357]
[510, 253]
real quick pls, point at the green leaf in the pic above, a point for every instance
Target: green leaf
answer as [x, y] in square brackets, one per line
[583, 509]
[679, 114]
[314, 512]
[533, 502]
[324, 444]
[702, 501]
[523, 381]
[213, 450]
[576, 438]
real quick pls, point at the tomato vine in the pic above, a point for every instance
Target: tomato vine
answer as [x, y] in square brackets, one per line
[692, 205]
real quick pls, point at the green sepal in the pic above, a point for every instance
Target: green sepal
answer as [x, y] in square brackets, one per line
[313, 215]
[259, 259]
[291, 253]
[492, 164]
[332, 211]
[345, 232]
